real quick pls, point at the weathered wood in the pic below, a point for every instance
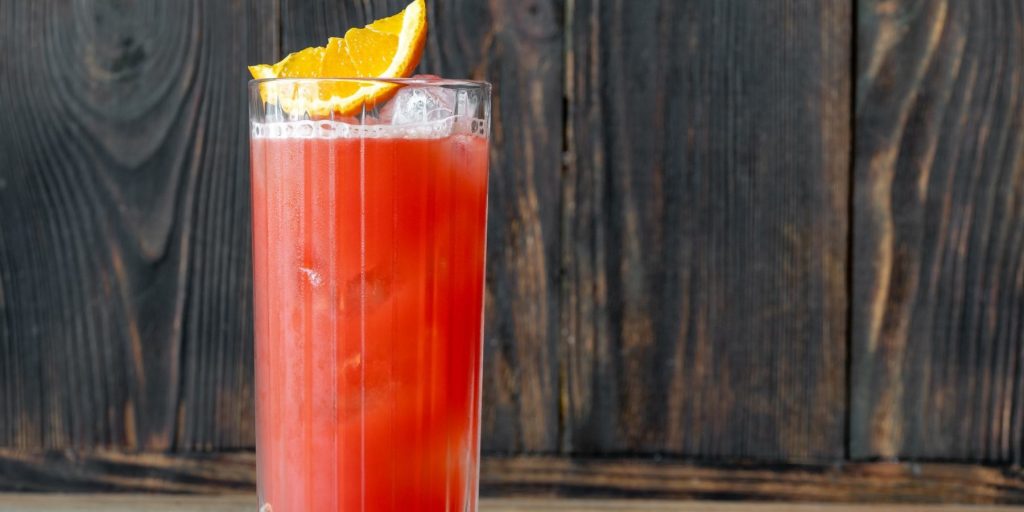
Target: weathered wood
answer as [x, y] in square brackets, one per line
[517, 46]
[938, 274]
[124, 271]
[521, 55]
[851, 482]
[123, 197]
[115, 471]
[245, 503]
[677, 284]
[705, 228]
[548, 476]
[580, 505]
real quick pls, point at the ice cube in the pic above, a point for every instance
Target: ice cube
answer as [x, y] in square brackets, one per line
[421, 105]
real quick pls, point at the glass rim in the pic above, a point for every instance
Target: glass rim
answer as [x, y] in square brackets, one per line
[439, 82]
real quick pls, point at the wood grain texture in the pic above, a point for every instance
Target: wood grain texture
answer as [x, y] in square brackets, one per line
[116, 471]
[523, 60]
[938, 275]
[126, 247]
[517, 46]
[845, 483]
[245, 503]
[668, 258]
[533, 477]
[633, 505]
[125, 503]
[705, 228]
[124, 264]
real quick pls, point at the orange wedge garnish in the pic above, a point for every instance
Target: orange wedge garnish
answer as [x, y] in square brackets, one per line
[387, 48]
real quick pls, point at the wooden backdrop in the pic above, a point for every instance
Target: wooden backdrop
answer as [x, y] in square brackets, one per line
[737, 248]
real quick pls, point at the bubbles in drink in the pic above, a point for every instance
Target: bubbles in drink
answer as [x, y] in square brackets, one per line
[341, 130]
[314, 277]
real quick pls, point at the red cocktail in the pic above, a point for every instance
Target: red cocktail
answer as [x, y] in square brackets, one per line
[368, 242]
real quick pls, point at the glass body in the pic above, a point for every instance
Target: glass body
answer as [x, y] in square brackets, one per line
[368, 241]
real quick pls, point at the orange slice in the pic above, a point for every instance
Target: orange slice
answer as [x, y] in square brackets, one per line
[387, 48]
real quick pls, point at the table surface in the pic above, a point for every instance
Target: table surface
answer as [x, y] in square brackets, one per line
[246, 503]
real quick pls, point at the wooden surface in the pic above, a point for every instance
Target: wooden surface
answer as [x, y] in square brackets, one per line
[618, 266]
[522, 476]
[246, 503]
[682, 166]
[125, 263]
[702, 215]
[124, 246]
[938, 281]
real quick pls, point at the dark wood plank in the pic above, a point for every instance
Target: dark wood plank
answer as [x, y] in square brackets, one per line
[124, 260]
[633, 505]
[245, 503]
[126, 503]
[583, 505]
[517, 46]
[549, 477]
[115, 471]
[521, 54]
[838, 482]
[216, 406]
[705, 228]
[938, 265]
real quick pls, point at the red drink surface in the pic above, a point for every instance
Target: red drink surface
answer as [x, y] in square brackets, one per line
[369, 277]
